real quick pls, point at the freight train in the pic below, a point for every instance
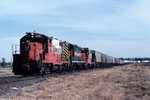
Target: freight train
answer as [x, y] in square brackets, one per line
[39, 53]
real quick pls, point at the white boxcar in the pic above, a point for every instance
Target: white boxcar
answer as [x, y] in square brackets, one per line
[98, 56]
[104, 58]
[111, 59]
[107, 59]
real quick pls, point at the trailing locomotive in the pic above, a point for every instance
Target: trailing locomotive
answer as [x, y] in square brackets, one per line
[39, 52]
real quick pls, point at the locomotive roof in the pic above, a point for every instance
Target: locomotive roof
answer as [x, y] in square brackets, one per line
[34, 33]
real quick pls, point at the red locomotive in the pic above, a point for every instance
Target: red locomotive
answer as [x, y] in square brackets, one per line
[38, 51]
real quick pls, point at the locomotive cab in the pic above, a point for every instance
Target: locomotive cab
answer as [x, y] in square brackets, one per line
[32, 53]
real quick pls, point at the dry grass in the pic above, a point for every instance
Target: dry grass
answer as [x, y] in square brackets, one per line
[130, 82]
[5, 72]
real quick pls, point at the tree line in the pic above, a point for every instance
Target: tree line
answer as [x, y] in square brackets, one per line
[3, 63]
[136, 59]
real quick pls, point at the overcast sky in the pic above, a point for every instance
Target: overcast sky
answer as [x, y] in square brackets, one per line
[119, 28]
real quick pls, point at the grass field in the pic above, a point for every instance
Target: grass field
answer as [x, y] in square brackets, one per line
[5, 72]
[129, 82]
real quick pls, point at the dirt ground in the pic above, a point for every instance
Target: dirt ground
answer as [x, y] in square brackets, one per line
[129, 82]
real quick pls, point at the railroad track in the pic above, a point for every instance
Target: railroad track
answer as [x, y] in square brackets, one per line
[13, 84]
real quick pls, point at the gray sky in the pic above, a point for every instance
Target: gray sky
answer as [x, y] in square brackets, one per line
[119, 28]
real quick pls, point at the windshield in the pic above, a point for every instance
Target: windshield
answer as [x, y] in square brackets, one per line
[25, 47]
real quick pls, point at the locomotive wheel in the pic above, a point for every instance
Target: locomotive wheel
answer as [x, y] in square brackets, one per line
[51, 68]
[45, 70]
[60, 68]
[46, 67]
[42, 71]
[63, 69]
